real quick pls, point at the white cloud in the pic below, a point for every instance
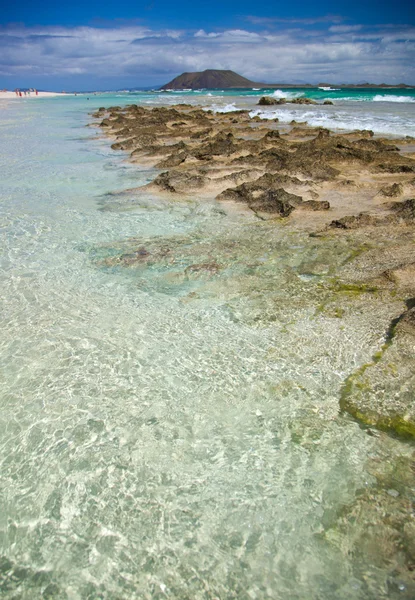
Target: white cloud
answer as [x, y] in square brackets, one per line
[141, 55]
[344, 28]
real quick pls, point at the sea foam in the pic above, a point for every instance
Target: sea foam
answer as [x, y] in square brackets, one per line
[382, 124]
[388, 98]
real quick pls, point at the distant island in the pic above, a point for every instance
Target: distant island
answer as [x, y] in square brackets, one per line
[220, 79]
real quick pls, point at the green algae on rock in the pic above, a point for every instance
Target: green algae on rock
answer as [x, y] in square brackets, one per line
[382, 393]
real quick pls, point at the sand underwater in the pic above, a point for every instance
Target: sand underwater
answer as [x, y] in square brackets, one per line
[207, 354]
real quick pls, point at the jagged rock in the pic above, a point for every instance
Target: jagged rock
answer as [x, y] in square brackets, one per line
[300, 131]
[302, 101]
[174, 160]
[277, 201]
[272, 135]
[221, 144]
[322, 133]
[201, 134]
[315, 205]
[405, 210]
[179, 181]
[268, 101]
[391, 191]
[361, 133]
[354, 222]
[266, 183]
[400, 211]
[328, 102]
[398, 167]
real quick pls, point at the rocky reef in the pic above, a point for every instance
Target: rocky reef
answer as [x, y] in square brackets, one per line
[270, 101]
[354, 187]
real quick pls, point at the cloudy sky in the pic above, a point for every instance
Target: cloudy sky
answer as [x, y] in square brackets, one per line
[113, 45]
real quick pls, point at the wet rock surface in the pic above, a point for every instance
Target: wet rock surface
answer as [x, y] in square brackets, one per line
[381, 393]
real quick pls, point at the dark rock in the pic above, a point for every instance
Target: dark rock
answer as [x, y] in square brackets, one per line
[272, 135]
[328, 102]
[315, 205]
[397, 168]
[221, 144]
[354, 222]
[391, 191]
[302, 101]
[405, 210]
[277, 201]
[174, 160]
[407, 322]
[268, 101]
[179, 181]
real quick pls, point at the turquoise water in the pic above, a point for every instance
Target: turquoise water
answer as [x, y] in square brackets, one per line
[386, 112]
[172, 429]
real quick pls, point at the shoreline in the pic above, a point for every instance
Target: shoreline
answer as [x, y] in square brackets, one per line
[12, 95]
[352, 186]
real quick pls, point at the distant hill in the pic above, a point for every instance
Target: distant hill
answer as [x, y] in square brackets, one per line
[211, 79]
[218, 79]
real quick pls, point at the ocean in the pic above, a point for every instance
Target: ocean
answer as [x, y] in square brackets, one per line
[389, 112]
[169, 431]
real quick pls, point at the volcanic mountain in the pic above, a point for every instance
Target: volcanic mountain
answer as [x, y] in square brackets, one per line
[217, 79]
[210, 79]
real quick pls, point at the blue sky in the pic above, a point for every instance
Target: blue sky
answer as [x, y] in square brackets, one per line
[97, 45]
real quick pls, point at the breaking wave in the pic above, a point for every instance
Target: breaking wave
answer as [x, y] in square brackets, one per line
[223, 109]
[280, 94]
[382, 124]
[390, 98]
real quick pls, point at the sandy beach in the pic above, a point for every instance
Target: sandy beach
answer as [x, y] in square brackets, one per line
[12, 95]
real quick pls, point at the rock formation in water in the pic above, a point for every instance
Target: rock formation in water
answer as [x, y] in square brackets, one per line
[351, 185]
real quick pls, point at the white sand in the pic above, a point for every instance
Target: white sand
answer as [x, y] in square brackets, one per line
[11, 95]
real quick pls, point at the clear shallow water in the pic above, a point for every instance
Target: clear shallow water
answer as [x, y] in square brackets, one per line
[172, 429]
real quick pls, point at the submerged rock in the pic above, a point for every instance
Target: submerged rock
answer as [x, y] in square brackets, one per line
[381, 393]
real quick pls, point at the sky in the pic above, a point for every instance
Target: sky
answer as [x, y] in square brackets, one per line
[98, 45]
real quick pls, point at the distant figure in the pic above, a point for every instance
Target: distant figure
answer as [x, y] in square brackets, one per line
[36, 92]
[20, 94]
[16, 92]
